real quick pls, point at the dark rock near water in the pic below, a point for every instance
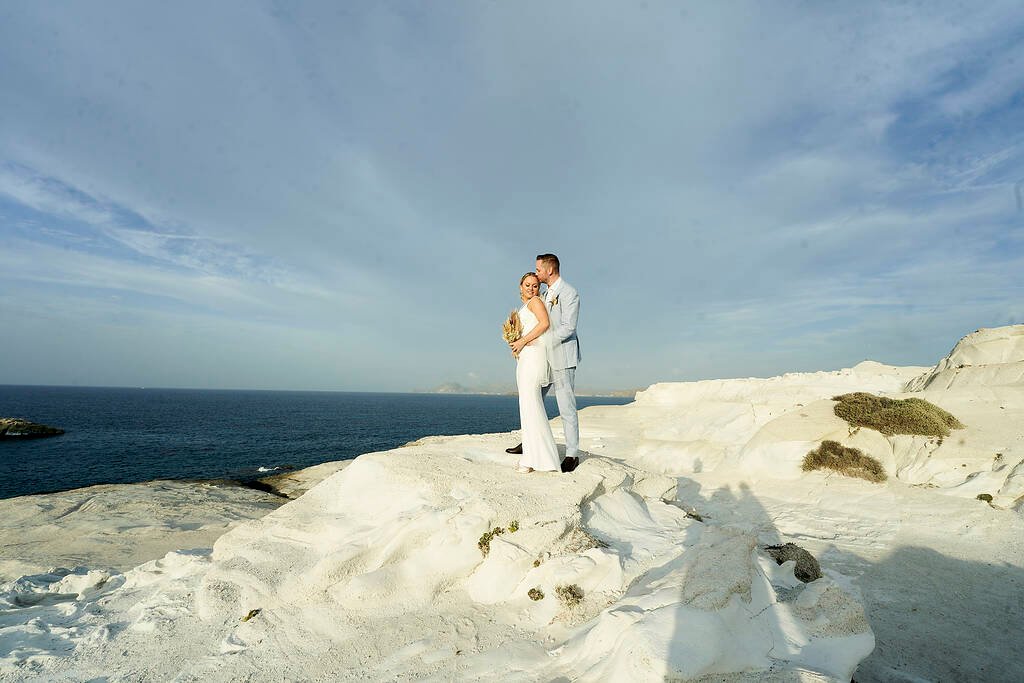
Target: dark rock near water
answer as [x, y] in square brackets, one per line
[15, 428]
[807, 568]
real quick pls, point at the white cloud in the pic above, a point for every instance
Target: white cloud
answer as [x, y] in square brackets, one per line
[393, 169]
[49, 197]
[1002, 80]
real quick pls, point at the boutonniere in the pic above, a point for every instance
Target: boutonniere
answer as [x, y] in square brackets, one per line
[554, 302]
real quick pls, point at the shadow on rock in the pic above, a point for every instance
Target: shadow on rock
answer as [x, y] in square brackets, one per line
[938, 618]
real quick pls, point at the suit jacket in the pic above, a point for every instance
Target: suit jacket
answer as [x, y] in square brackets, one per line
[565, 347]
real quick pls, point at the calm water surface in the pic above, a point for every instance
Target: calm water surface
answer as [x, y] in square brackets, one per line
[132, 435]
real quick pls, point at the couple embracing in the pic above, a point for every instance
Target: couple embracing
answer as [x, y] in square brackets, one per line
[547, 355]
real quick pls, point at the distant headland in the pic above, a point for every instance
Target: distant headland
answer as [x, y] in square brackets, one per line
[456, 388]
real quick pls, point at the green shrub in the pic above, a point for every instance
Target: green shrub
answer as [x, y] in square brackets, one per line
[895, 416]
[831, 455]
[485, 540]
[570, 595]
[535, 594]
[513, 526]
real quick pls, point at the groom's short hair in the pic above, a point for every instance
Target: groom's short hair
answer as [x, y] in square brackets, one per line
[549, 260]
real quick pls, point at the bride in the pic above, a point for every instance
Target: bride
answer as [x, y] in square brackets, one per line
[531, 350]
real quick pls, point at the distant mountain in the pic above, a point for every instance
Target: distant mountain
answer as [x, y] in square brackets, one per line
[452, 388]
[617, 392]
[456, 388]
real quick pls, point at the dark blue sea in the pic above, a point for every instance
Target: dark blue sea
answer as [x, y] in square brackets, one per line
[133, 435]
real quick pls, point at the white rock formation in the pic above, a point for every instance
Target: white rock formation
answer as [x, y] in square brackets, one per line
[986, 358]
[376, 573]
[119, 526]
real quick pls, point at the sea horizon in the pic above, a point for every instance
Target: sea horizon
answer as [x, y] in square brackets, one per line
[616, 393]
[122, 435]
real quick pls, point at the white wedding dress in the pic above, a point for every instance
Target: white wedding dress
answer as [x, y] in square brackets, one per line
[532, 373]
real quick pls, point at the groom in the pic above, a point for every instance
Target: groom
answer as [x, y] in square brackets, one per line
[563, 302]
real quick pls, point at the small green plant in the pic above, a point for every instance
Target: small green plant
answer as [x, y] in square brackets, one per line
[831, 455]
[484, 544]
[513, 526]
[536, 563]
[535, 594]
[895, 416]
[987, 497]
[569, 595]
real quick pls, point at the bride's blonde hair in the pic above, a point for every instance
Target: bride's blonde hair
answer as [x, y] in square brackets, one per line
[523, 278]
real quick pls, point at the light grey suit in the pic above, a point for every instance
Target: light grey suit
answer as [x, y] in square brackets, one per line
[563, 303]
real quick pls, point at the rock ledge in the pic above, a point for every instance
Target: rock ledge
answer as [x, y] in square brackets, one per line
[16, 428]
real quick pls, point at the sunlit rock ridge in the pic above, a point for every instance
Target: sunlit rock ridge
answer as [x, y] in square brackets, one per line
[437, 561]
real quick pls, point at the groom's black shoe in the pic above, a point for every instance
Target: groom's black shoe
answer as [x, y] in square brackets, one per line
[570, 463]
[515, 450]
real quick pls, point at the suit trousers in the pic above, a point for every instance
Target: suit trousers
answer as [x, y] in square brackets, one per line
[564, 382]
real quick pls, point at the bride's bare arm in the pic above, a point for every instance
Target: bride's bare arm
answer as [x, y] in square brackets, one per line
[537, 307]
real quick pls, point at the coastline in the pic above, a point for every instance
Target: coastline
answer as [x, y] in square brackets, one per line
[161, 516]
[664, 523]
[118, 436]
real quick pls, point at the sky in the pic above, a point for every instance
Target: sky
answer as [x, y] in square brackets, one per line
[343, 196]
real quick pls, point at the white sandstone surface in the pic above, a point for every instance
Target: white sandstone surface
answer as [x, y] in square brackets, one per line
[375, 573]
[119, 526]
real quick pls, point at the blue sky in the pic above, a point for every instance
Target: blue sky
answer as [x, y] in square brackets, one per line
[344, 195]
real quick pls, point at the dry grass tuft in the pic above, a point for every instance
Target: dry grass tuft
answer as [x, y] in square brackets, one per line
[484, 544]
[831, 455]
[569, 595]
[895, 416]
